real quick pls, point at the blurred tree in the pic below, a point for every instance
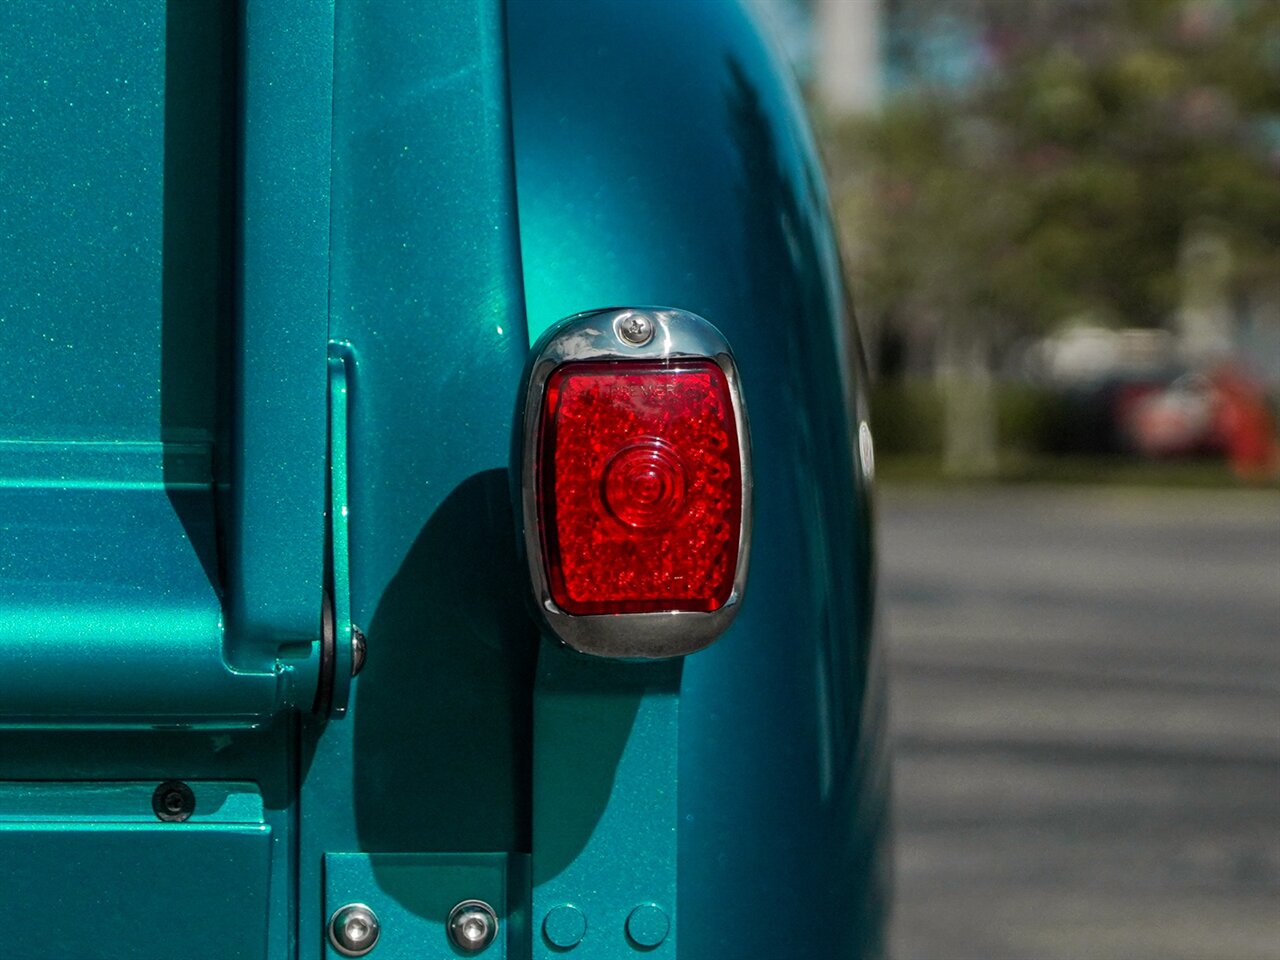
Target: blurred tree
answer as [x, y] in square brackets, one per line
[1066, 179]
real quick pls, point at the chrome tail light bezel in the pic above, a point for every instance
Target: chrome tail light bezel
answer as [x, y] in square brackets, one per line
[611, 334]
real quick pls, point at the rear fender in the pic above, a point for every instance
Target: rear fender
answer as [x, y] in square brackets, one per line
[662, 158]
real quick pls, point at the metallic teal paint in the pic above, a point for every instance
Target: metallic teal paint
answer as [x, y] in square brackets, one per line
[273, 534]
[137, 597]
[605, 812]
[130, 655]
[433, 756]
[94, 841]
[198, 202]
[661, 160]
[338, 575]
[82, 229]
[99, 876]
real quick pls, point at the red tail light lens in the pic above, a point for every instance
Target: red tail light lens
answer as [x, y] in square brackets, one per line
[639, 486]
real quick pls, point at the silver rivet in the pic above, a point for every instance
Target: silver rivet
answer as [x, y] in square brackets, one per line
[635, 329]
[354, 930]
[473, 925]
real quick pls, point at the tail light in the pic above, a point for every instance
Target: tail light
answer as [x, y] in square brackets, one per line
[636, 484]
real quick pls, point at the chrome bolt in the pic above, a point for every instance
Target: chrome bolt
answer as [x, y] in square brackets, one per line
[354, 930]
[472, 925]
[635, 329]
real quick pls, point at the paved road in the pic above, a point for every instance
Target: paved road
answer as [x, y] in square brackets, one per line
[1087, 723]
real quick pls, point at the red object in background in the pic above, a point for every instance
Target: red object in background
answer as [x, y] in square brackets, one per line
[1224, 413]
[1176, 420]
[640, 487]
[1245, 423]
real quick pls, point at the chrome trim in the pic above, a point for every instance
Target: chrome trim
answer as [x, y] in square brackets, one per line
[677, 335]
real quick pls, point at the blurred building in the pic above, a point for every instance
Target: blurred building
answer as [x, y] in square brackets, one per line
[849, 72]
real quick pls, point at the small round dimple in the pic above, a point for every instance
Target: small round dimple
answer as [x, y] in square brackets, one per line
[648, 925]
[564, 926]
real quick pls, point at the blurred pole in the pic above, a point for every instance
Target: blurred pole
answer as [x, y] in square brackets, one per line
[1205, 320]
[848, 71]
[969, 404]
[847, 82]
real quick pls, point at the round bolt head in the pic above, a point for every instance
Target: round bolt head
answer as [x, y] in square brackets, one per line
[564, 926]
[354, 930]
[648, 925]
[634, 328]
[173, 801]
[473, 925]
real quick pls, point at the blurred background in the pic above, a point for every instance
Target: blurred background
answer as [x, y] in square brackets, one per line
[1061, 222]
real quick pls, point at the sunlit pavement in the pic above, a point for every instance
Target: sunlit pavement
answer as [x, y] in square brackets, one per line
[1087, 722]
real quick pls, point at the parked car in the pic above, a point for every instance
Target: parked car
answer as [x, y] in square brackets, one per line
[1221, 413]
[397, 393]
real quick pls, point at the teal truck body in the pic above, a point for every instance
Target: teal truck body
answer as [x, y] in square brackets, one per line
[271, 272]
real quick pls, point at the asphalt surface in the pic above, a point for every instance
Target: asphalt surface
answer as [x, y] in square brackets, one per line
[1086, 718]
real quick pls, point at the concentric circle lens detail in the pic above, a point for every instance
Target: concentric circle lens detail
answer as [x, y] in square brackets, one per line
[644, 484]
[639, 486]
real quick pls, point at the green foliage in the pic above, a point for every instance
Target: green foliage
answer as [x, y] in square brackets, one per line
[908, 417]
[1066, 180]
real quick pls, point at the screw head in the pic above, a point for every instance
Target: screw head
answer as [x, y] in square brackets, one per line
[648, 925]
[173, 801]
[354, 930]
[634, 328]
[473, 925]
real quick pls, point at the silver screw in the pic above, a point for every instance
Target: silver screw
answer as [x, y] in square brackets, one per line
[473, 925]
[635, 329]
[354, 930]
